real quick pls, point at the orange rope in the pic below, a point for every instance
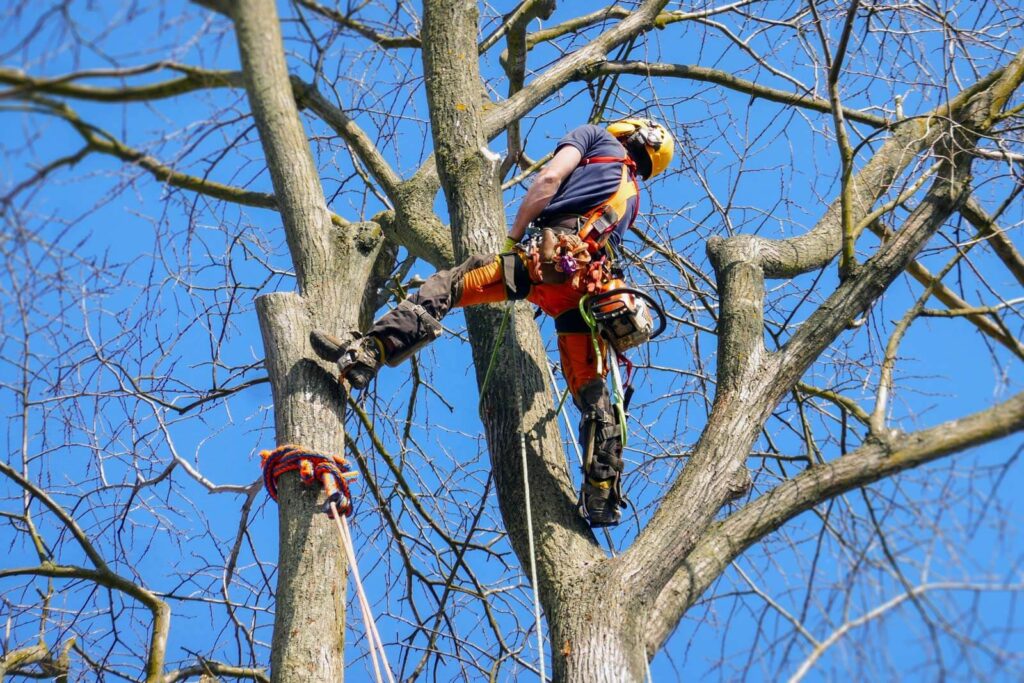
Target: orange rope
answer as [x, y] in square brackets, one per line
[331, 472]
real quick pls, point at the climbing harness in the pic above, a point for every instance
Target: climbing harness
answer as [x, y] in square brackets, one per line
[599, 223]
[333, 474]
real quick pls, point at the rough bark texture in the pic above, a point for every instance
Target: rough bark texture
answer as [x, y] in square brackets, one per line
[604, 615]
[310, 612]
[330, 263]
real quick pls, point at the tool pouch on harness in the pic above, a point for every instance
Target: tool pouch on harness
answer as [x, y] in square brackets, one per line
[555, 254]
[412, 329]
[622, 319]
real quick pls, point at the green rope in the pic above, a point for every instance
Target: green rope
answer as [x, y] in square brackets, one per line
[617, 393]
[494, 351]
[561, 401]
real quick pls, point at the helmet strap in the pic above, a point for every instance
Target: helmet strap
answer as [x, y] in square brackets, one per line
[637, 149]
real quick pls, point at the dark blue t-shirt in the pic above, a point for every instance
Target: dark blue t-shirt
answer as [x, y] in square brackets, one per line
[590, 185]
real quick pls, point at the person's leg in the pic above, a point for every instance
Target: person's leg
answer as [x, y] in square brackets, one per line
[600, 433]
[415, 322]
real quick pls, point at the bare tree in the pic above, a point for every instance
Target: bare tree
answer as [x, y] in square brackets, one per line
[847, 197]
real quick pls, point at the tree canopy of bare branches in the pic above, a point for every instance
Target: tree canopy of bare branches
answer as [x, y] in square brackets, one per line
[187, 189]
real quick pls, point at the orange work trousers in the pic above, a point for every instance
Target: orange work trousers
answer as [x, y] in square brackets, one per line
[486, 285]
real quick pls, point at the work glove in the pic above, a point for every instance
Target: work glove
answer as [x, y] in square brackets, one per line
[509, 245]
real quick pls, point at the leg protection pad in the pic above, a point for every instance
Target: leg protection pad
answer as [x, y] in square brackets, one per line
[443, 289]
[601, 494]
[600, 419]
[516, 275]
[404, 331]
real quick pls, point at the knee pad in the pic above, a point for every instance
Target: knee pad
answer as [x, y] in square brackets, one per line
[516, 276]
[607, 461]
[601, 420]
[410, 329]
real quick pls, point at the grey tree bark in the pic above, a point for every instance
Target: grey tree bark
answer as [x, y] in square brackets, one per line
[330, 263]
[604, 615]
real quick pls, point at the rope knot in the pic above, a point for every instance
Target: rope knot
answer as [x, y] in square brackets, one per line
[331, 472]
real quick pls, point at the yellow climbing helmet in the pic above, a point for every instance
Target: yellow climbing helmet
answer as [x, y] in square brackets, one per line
[655, 139]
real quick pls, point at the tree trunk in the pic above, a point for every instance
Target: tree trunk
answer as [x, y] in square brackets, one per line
[331, 263]
[309, 619]
[596, 634]
[516, 401]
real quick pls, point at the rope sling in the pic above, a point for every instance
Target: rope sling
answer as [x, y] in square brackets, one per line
[334, 475]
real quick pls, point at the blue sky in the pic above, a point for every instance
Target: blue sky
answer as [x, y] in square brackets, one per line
[163, 284]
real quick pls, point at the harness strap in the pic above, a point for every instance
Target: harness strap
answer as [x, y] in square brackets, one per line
[627, 160]
[600, 221]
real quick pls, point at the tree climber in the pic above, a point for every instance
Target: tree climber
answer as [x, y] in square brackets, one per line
[578, 207]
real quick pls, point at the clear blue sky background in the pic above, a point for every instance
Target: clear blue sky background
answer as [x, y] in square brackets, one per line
[155, 322]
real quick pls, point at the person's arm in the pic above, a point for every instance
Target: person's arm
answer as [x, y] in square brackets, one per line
[544, 187]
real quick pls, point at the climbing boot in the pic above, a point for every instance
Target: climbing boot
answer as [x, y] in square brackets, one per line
[600, 502]
[358, 360]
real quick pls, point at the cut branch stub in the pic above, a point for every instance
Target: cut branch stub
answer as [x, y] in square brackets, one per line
[741, 319]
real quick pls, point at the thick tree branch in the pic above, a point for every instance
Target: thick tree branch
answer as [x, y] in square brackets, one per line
[514, 63]
[289, 160]
[875, 460]
[50, 664]
[567, 68]
[847, 256]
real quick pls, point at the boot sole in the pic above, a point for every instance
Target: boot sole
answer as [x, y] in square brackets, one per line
[325, 346]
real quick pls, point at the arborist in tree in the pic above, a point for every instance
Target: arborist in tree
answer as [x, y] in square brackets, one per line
[558, 252]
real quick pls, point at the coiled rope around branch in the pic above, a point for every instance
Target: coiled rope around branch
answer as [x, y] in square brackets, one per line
[333, 474]
[330, 471]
